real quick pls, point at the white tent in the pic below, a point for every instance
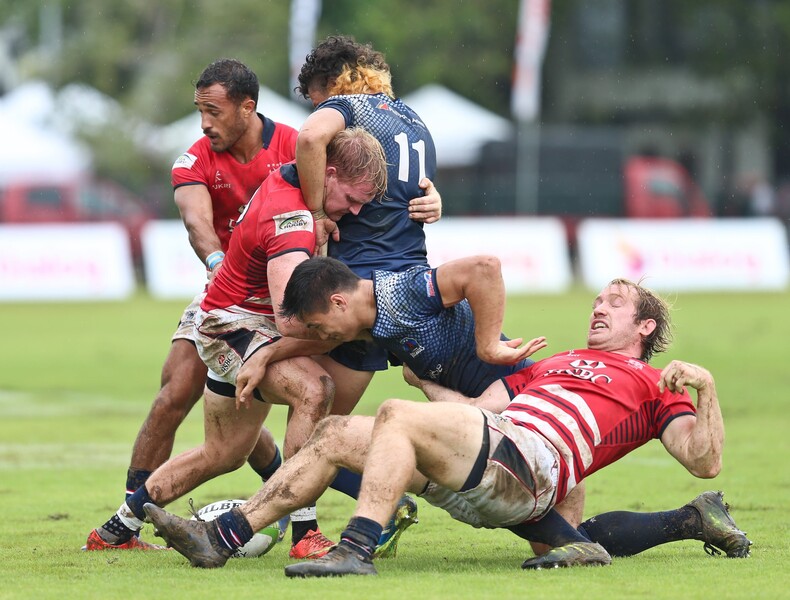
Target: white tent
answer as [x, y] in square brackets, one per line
[36, 151]
[459, 126]
[172, 140]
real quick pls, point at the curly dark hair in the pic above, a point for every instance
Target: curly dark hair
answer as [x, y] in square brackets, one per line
[237, 78]
[341, 55]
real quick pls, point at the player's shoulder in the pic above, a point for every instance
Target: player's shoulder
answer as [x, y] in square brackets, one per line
[408, 275]
[200, 150]
[283, 132]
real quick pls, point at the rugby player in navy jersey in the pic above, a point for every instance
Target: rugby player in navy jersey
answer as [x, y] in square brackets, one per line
[350, 85]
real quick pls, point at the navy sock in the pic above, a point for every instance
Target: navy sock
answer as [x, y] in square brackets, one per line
[363, 533]
[234, 529]
[137, 500]
[347, 482]
[115, 532]
[270, 469]
[134, 479]
[552, 530]
[627, 533]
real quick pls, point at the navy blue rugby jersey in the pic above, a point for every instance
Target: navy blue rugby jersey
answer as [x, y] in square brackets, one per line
[436, 343]
[382, 236]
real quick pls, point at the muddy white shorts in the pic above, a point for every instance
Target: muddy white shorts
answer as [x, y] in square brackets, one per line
[225, 338]
[518, 483]
[186, 325]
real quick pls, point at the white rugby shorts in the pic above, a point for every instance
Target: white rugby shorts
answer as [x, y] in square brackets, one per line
[225, 338]
[519, 481]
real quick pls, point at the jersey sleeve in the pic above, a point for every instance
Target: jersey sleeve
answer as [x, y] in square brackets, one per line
[673, 405]
[420, 292]
[286, 226]
[342, 105]
[191, 167]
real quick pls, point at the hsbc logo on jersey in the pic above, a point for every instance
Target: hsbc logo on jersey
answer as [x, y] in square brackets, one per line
[588, 364]
[583, 369]
[298, 220]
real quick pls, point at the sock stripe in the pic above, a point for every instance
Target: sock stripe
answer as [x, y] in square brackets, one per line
[225, 540]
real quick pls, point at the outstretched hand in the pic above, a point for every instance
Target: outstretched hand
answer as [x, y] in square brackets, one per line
[509, 352]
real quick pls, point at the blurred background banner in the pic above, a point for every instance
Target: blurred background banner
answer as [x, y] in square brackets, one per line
[65, 262]
[691, 254]
[171, 268]
[533, 251]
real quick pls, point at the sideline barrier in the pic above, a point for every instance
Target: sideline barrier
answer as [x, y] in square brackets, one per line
[534, 253]
[533, 250]
[172, 269]
[686, 255]
[90, 261]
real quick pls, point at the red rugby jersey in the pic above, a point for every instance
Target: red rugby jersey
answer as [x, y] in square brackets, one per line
[594, 407]
[275, 221]
[230, 183]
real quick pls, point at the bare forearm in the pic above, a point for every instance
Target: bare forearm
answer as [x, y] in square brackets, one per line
[706, 441]
[486, 295]
[203, 240]
[317, 131]
[288, 347]
[494, 399]
[694, 441]
[437, 393]
[197, 214]
[311, 163]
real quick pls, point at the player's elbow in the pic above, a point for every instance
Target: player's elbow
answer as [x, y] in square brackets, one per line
[309, 140]
[706, 469]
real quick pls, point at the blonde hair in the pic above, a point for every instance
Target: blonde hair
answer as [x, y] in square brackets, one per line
[358, 158]
[361, 80]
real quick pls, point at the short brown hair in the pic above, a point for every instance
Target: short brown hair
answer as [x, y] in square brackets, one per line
[650, 306]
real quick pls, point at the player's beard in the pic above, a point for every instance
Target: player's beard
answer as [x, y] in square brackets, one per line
[232, 135]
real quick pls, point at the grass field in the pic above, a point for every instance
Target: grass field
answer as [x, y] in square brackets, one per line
[76, 380]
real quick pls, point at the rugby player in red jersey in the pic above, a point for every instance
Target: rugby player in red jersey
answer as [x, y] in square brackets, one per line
[212, 182]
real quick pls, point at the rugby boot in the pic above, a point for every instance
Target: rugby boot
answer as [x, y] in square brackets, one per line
[405, 516]
[341, 560]
[198, 541]
[719, 531]
[570, 555]
[313, 545]
[95, 542]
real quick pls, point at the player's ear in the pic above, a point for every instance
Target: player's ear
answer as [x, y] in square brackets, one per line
[339, 301]
[248, 104]
[647, 327]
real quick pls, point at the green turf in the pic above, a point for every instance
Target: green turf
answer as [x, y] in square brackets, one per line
[76, 381]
